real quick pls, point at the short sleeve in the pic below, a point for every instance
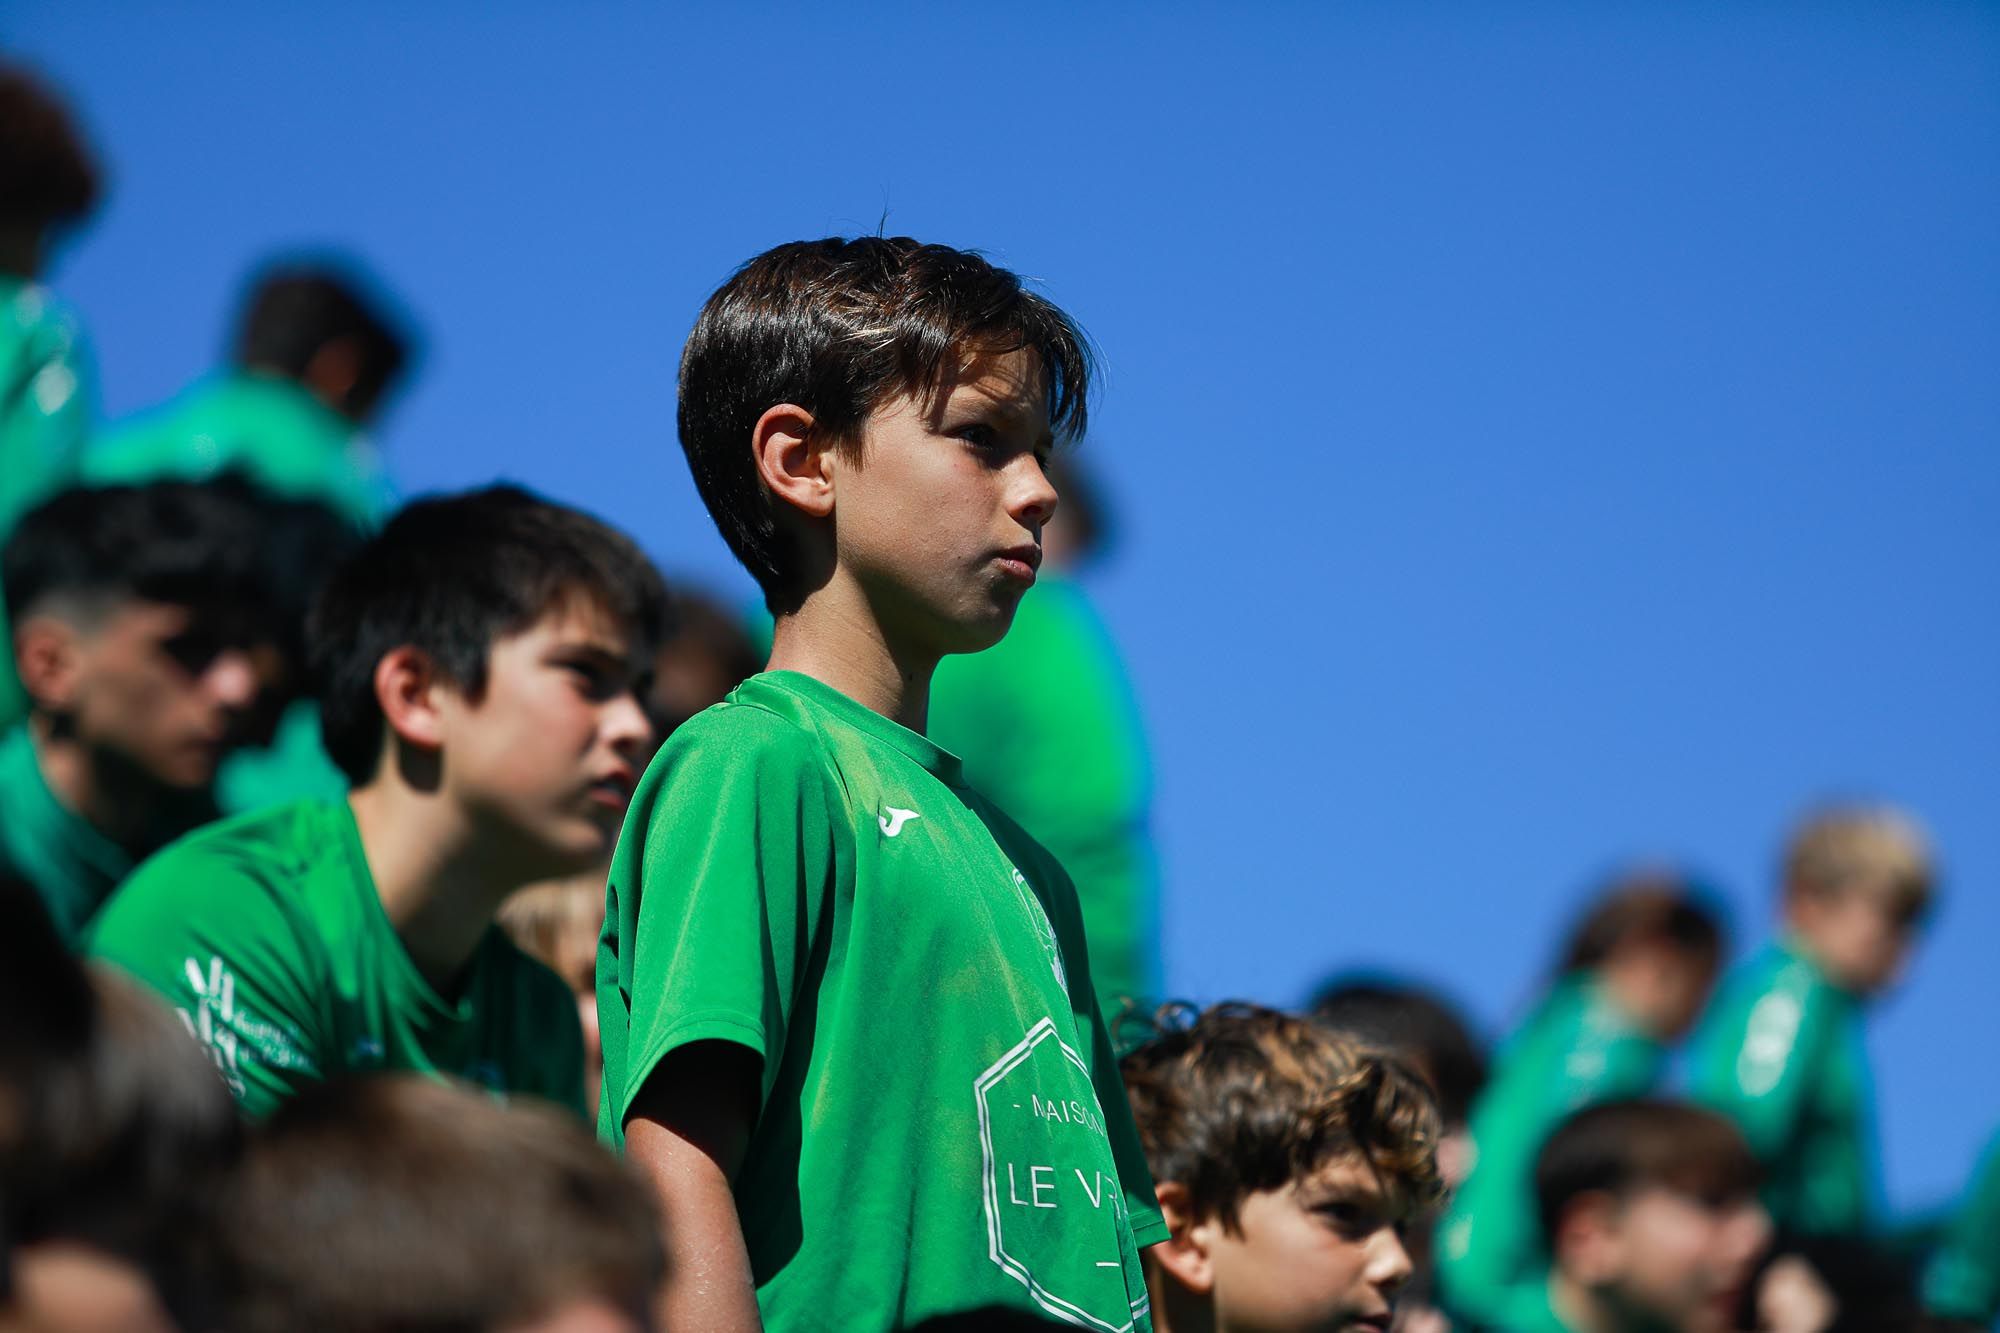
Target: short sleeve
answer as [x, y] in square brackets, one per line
[719, 889]
[215, 942]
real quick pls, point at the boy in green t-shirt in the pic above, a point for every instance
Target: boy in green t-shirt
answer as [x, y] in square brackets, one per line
[848, 1024]
[478, 659]
[138, 615]
[1781, 1052]
[1291, 1161]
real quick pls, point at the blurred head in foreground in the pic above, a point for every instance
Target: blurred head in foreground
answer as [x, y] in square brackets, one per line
[397, 1202]
[116, 1137]
[1288, 1161]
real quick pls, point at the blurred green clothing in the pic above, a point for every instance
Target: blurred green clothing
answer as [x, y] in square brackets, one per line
[1781, 1054]
[267, 426]
[47, 387]
[1534, 1312]
[1963, 1279]
[72, 865]
[1577, 1049]
[1048, 730]
[294, 767]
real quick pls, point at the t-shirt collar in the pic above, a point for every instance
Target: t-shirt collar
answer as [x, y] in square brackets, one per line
[937, 760]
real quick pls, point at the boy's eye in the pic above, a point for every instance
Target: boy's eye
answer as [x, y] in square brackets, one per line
[981, 436]
[591, 680]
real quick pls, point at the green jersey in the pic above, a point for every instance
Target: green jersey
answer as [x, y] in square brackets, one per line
[1963, 1278]
[266, 425]
[46, 391]
[1578, 1048]
[1047, 727]
[1780, 1053]
[72, 865]
[267, 933]
[941, 1124]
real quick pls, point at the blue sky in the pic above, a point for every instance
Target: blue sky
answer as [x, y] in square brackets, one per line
[1543, 434]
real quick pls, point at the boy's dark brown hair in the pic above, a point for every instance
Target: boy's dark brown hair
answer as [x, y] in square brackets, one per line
[397, 1202]
[1239, 1099]
[48, 175]
[451, 575]
[840, 327]
[1622, 1147]
[1651, 905]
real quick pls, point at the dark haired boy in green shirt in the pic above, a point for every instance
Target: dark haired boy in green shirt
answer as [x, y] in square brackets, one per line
[480, 657]
[848, 1023]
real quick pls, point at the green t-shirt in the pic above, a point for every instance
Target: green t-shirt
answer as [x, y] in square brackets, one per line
[941, 1123]
[268, 426]
[268, 935]
[1962, 1280]
[1577, 1049]
[47, 387]
[72, 865]
[1780, 1053]
[1049, 732]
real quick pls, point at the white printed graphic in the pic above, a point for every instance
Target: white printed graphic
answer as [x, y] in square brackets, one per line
[1040, 1084]
[233, 1035]
[892, 820]
[1033, 907]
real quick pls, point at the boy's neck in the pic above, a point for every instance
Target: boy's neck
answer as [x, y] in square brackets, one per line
[438, 884]
[1577, 1309]
[842, 645]
[116, 799]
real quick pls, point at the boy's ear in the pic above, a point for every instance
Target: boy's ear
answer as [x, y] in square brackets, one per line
[48, 656]
[791, 458]
[406, 686]
[1185, 1255]
[1588, 1243]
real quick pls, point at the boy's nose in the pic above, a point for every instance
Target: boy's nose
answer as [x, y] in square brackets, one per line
[1034, 498]
[626, 726]
[1389, 1265]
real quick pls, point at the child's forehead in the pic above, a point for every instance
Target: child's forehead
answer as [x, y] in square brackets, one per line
[577, 619]
[1010, 383]
[1350, 1177]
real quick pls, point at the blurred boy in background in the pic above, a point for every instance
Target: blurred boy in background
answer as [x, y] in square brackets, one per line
[1048, 728]
[48, 187]
[140, 616]
[370, 1204]
[1632, 979]
[1288, 1161]
[1781, 1054]
[313, 362]
[1648, 1211]
[481, 656]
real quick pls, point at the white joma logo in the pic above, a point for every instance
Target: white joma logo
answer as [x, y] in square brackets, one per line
[892, 820]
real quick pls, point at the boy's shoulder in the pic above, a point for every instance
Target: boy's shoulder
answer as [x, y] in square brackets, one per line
[236, 870]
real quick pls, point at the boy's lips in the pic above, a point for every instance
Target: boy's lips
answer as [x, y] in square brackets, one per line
[614, 788]
[1020, 562]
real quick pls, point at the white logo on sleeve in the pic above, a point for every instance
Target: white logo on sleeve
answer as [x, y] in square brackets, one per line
[892, 820]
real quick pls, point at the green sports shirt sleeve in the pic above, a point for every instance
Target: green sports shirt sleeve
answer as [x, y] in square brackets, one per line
[716, 895]
[1962, 1280]
[242, 980]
